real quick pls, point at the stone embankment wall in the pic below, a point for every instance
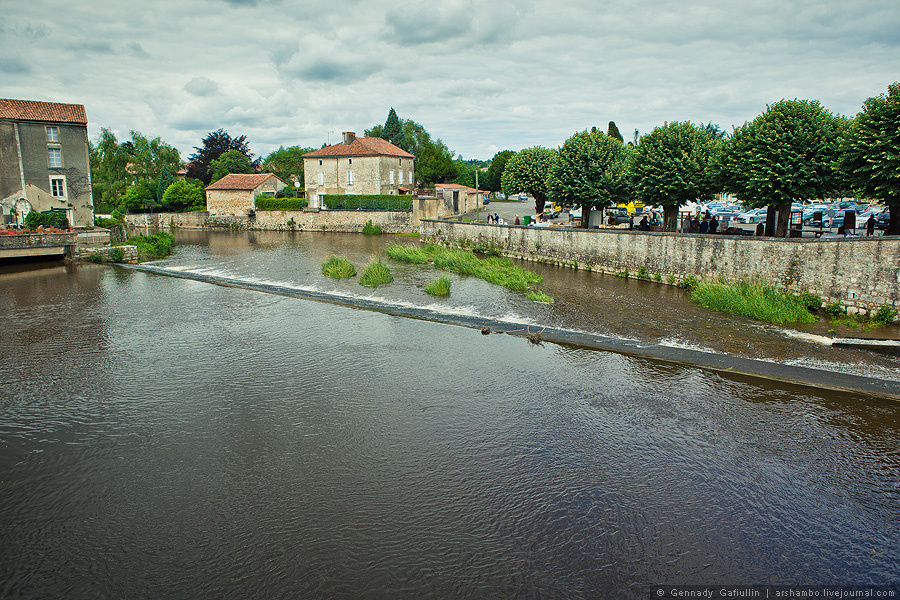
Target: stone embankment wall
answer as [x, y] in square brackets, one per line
[185, 220]
[860, 273]
[110, 254]
[317, 220]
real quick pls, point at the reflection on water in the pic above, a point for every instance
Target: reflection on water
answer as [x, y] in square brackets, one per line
[168, 438]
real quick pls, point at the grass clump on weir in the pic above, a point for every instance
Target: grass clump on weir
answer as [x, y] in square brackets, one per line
[376, 274]
[370, 229]
[338, 267]
[153, 247]
[539, 296]
[439, 287]
[496, 270]
[754, 299]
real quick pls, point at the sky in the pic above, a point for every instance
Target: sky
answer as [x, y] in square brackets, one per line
[481, 76]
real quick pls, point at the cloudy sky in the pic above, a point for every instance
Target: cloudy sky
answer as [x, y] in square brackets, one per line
[482, 76]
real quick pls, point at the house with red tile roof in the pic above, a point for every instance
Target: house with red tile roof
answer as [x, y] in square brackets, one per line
[235, 194]
[460, 198]
[364, 165]
[44, 161]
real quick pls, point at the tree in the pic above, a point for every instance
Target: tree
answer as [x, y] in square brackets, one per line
[675, 164]
[495, 171]
[871, 152]
[287, 163]
[527, 172]
[215, 144]
[613, 132]
[393, 129]
[149, 158]
[434, 161]
[786, 154]
[183, 194]
[140, 197]
[108, 164]
[166, 178]
[589, 169]
[232, 161]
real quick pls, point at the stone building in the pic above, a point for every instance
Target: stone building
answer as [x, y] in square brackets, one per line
[458, 198]
[44, 161]
[235, 194]
[363, 165]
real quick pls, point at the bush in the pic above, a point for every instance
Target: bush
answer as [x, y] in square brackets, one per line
[833, 309]
[690, 283]
[439, 287]
[811, 301]
[370, 229]
[754, 299]
[539, 296]
[885, 315]
[376, 274]
[182, 195]
[117, 255]
[338, 268]
[369, 202]
[270, 203]
[55, 218]
[153, 247]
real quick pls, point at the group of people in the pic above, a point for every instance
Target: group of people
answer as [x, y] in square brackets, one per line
[494, 218]
[708, 224]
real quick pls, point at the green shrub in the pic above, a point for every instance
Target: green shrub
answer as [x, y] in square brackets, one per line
[439, 287]
[117, 255]
[642, 273]
[377, 273]
[539, 296]
[833, 309]
[670, 280]
[338, 267]
[153, 247]
[369, 202]
[370, 229]
[55, 218]
[104, 222]
[181, 195]
[95, 257]
[657, 277]
[270, 203]
[754, 299]
[690, 283]
[811, 301]
[885, 315]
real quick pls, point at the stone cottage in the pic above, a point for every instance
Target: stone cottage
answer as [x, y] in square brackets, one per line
[235, 194]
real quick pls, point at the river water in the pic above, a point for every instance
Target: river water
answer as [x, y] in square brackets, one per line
[168, 438]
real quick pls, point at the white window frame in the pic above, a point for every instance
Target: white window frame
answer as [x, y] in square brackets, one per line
[349, 177]
[61, 178]
[401, 178]
[392, 176]
[52, 134]
[321, 179]
[50, 162]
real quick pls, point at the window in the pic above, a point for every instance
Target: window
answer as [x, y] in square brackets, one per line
[349, 161]
[349, 177]
[392, 177]
[320, 163]
[53, 134]
[401, 177]
[411, 181]
[54, 157]
[321, 179]
[58, 187]
[401, 162]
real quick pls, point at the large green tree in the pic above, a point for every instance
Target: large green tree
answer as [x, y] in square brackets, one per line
[675, 164]
[590, 169]
[232, 161]
[527, 172]
[148, 158]
[182, 195]
[871, 152]
[787, 154]
[215, 144]
[495, 170]
[287, 163]
[108, 164]
[393, 129]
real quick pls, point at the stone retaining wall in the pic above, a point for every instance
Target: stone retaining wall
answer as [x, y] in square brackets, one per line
[185, 220]
[860, 273]
[317, 220]
[108, 254]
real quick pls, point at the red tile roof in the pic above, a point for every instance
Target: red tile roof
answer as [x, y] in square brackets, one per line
[54, 112]
[242, 181]
[361, 146]
[458, 186]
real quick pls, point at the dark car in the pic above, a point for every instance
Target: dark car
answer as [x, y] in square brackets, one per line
[883, 218]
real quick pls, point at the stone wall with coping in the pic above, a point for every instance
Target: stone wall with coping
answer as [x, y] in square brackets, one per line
[860, 273]
[185, 220]
[108, 254]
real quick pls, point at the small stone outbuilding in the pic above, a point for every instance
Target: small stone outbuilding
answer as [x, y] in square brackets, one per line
[235, 194]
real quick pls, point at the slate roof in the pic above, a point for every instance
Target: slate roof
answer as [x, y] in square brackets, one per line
[361, 146]
[53, 112]
[242, 181]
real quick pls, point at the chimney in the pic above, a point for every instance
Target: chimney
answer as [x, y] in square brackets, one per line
[349, 137]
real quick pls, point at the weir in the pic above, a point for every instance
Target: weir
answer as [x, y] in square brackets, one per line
[729, 365]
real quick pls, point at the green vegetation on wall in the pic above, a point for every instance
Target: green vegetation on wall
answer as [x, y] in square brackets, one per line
[270, 203]
[369, 202]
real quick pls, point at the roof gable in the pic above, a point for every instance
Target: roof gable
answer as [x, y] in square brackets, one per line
[32, 110]
[361, 146]
[242, 181]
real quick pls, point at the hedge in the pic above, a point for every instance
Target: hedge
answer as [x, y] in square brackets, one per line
[55, 218]
[369, 202]
[269, 203]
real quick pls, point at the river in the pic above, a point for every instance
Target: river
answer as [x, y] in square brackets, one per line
[163, 437]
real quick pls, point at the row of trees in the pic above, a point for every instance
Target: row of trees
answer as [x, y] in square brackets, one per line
[434, 161]
[794, 151]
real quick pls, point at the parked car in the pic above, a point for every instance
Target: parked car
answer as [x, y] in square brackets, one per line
[551, 210]
[756, 215]
[575, 214]
[863, 217]
[727, 213]
[883, 218]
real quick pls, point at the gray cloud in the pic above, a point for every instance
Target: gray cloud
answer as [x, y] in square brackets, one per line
[137, 50]
[14, 65]
[89, 47]
[201, 87]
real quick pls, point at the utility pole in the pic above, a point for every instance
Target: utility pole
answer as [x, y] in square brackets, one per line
[477, 198]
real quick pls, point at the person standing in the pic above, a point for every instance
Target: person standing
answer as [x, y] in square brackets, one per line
[870, 226]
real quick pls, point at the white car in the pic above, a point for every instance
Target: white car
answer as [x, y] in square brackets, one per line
[757, 215]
